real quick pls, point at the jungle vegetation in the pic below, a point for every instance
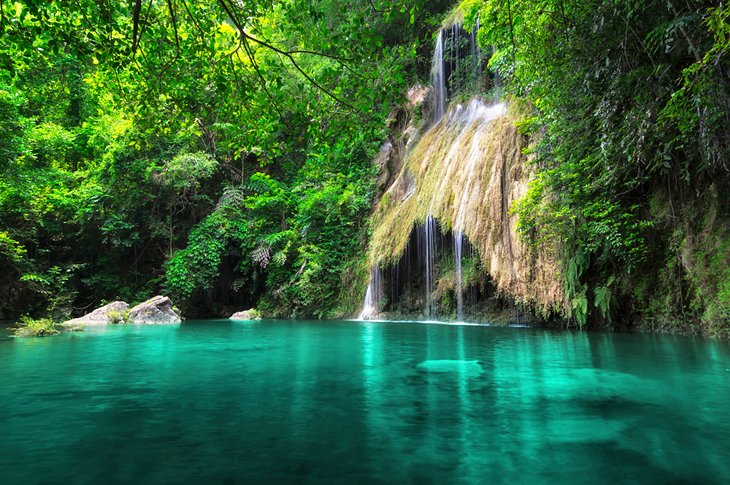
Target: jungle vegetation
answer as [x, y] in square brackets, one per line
[218, 151]
[221, 151]
[630, 108]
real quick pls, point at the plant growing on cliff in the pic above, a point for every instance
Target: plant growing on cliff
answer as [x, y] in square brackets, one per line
[630, 102]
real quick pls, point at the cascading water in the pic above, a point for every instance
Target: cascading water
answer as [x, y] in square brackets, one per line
[458, 176]
[429, 230]
[458, 246]
[454, 67]
[446, 79]
[438, 79]
[373, 295]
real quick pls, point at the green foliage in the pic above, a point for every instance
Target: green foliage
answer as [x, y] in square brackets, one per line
[11, 136]
[30, 327]
[254, 314]
[119, 316]
[51, 143]
[219, 150]
[54, 287]
[10, 248]
[602, 300]
[629, 100]
[187, 170]
[197, 265]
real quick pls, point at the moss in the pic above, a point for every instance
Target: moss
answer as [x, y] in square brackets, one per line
[118, 316]
[354, 281]
[689, 292]
[466, 172]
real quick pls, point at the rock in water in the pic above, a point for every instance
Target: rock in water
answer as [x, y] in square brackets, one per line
[251, 314]
[156, 310]
[114, 312]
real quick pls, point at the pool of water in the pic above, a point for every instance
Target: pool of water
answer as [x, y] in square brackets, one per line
[276, 401]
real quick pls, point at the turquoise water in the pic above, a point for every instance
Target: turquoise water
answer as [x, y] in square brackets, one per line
[275, 401]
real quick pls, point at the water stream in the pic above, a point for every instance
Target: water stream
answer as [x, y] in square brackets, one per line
[373, 295]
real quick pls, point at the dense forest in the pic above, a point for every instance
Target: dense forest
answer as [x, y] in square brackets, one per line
[222, 152]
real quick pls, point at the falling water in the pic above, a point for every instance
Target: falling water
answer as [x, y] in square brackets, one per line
[429, 230]
[456, 67]
[458, 240]
[438, 79]
[447, 77]
[373, 295]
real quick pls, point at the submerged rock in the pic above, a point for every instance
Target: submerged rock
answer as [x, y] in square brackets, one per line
[469, 368]
[114, 312]
[156, 310]
[251, 314]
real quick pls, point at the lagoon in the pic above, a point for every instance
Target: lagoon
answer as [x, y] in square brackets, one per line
[341, 401]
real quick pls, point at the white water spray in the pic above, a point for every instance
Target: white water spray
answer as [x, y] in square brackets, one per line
[438, 79]
[373, 295]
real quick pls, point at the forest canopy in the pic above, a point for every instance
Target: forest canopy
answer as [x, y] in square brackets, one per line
[209, 149]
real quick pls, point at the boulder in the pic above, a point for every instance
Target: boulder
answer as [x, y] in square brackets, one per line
[156, 310]
[382, 161]
[417, 95]
[114, 312]
[251, 314]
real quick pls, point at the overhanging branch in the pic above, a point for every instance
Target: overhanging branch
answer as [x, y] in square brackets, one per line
[288, 54]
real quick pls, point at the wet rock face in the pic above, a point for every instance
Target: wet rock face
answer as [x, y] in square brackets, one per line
[114, 312]
[417, 95]
[156, 310]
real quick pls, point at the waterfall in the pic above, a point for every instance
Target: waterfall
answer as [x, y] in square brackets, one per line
[372, 296]
[429, 230]
[453, 178]
[438, 79]
[457, 157]
[456, 64]
[458, 240]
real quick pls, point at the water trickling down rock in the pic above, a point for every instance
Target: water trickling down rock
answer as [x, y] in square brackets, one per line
[461, 177]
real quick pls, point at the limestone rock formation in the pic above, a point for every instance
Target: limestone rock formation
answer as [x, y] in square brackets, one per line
[251, 314]
[467, 172]
[156, 310]
[417, 95]
[114, 312]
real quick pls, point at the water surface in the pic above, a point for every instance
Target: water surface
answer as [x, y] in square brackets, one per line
[234, 402]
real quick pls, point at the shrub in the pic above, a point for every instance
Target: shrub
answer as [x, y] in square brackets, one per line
[31, 327]
[118, 317]
[254, 314]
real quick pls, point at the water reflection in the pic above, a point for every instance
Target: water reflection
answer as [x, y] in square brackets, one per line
[333, 401]
[581, 399]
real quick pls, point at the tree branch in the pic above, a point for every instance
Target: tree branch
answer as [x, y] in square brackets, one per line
[136, 32]
[135, 25]
[193, 19]
[387, 10]
[288, 54]
[252, 58]
[174, 26]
